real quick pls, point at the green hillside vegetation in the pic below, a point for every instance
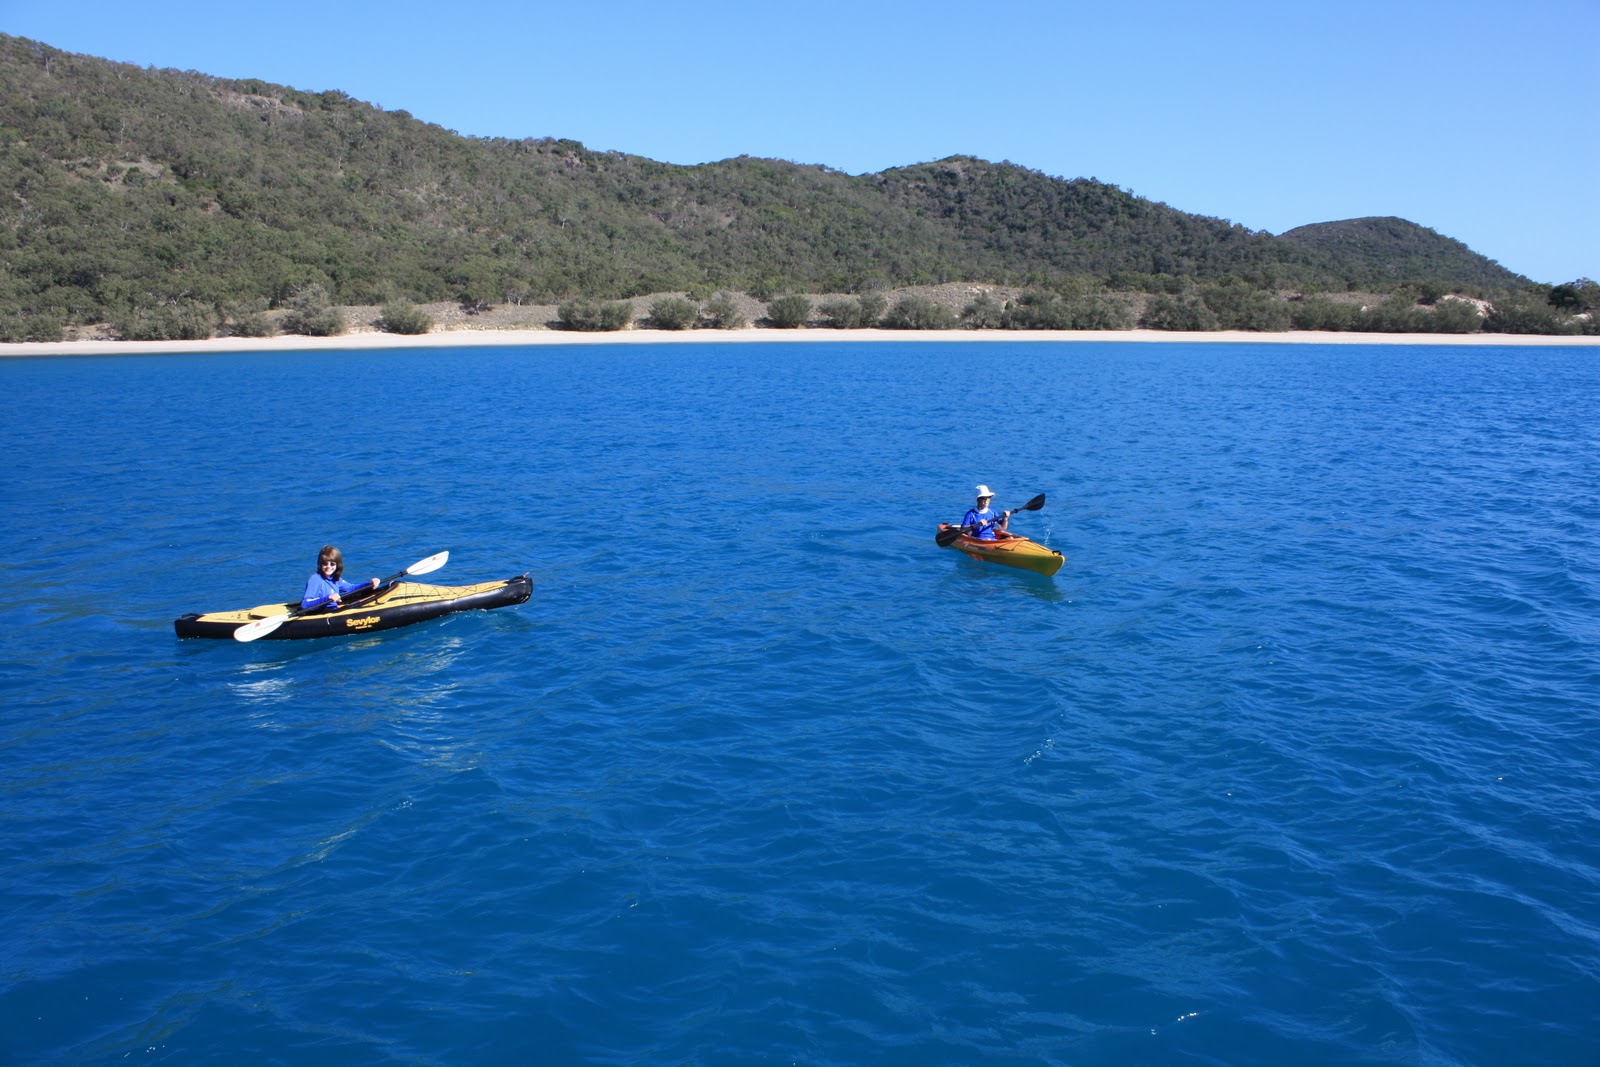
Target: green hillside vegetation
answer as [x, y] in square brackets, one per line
[176, 204]
[1394, 251]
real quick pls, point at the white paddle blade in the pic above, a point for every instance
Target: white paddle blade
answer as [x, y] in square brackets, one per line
[427, 566]
[259, 628]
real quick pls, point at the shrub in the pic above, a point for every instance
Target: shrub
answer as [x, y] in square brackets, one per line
[1526, 313]
[673, 313]
[188, 321]
[30, 328]
[1239, 307]
[1037, 310]
[1167, 312]
[616, 315]
[251, 324]
[841, 314]
[1399, 315]
[323, 322]
[984, 313]
[402, 316]
[1456, 316]
[1102, 311]
[593, 316]
[1430, 292]
[722, 311]
[1575, 297]
[312, 314]
[789, 312]
[872, 308]
[858, 314]
[919, 313]
[1320, 313]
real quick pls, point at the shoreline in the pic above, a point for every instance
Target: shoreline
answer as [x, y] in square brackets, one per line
[357, 340]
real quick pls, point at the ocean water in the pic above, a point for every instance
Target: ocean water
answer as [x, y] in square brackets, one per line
[1294, 761]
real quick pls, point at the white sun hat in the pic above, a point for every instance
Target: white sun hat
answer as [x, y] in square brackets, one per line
[983, 491]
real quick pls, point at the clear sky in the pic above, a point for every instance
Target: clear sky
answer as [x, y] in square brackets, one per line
[1474, 118]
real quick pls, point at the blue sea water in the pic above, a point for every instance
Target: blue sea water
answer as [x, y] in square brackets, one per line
[1293, 762]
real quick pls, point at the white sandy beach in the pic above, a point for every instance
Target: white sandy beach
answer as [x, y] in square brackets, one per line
[370, 339]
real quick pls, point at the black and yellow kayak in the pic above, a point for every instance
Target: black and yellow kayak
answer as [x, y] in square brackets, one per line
[394, 604]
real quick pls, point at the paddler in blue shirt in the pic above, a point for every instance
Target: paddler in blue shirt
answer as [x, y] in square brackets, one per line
[327, 586]
[984, 524]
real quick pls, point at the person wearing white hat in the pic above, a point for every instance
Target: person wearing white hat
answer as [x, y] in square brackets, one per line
[984, 524]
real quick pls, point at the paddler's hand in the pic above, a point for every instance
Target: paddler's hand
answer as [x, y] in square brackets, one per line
[374, 583]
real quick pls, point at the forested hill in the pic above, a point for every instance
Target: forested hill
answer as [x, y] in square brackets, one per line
[1402, 248]
[128, 186]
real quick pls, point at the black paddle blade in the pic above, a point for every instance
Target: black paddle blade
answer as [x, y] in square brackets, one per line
[1033, 505]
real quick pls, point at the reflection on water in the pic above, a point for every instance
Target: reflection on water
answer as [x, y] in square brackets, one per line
[414, 679]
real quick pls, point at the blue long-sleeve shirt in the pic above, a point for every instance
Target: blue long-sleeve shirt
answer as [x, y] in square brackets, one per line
[981, 524]
[319, 591]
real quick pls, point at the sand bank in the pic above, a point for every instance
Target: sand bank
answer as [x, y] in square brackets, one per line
[373, 339]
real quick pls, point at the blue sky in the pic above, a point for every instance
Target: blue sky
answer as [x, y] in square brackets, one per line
[1472, 118]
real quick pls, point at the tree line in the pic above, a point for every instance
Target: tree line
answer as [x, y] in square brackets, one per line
[1231, 306]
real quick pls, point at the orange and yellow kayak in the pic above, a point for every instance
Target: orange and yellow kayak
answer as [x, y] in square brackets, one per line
[1013, 552]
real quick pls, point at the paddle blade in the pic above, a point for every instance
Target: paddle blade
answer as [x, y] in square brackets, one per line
[427, 566]
[1033, 505]
[250, 631]
[947, 537]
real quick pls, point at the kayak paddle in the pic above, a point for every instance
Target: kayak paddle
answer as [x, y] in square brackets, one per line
[250, 631]
[946, 538]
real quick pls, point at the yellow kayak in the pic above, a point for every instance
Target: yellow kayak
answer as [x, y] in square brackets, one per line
[1013, 552]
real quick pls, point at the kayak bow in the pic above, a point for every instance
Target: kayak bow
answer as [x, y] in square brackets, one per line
[402, 604]
[1013, 552]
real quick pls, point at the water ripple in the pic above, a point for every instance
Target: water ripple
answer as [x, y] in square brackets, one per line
[1291, 762]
